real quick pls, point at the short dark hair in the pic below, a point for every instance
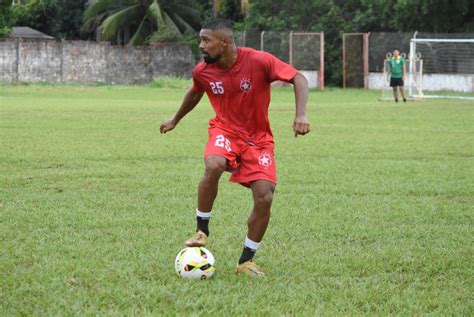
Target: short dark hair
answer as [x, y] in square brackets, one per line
[396, 49]
[218, 24]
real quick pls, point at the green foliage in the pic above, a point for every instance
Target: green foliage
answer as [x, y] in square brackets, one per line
[7, 18]
[136, 21]
[165, 34]
[68, 19]
[231, 9]
[373, 213]
[4, 31]
[58, 18]
[441, 16]
[37, 14]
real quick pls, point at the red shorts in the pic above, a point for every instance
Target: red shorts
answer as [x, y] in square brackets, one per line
[246, 161]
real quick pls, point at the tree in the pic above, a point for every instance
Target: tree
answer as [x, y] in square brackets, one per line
[37, 14]
[438, 16]
[134, 21]
[7, 18]
[235, 10]
[58, 18]
[68, 19]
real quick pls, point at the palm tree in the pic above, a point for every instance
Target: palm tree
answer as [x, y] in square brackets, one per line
[135, 20]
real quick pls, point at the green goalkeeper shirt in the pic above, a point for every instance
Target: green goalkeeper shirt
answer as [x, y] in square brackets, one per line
[396, 67]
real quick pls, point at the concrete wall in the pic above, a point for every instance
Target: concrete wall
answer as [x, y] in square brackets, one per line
[90, 62]
[431, 82]
[39, 61]
[84, 62]
[312, 77]
[8, 61]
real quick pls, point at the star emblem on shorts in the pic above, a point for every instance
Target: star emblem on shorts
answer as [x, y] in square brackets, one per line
[265, 159]
[245, 85]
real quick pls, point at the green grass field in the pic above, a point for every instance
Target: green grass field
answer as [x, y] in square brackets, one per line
[373, 213]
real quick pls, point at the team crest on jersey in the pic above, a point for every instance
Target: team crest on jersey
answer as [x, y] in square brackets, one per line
[245, 85]
[265, 159]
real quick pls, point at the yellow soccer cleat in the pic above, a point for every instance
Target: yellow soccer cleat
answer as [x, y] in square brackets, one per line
[250, 269]
[199, 239]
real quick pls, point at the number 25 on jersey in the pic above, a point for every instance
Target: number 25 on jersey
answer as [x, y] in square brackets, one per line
[217, 87]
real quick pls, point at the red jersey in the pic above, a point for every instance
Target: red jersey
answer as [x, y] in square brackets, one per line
[240, 95]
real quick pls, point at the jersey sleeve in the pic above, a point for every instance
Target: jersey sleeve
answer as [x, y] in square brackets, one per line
[197, 87]
[279, 70]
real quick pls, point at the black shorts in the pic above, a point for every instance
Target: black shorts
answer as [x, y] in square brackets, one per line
[394, 82]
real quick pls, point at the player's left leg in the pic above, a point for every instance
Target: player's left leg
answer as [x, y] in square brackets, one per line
[219, 156]
[402, 92]
[262, 191]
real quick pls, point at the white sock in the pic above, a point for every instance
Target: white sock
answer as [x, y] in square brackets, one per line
[251, 244]
[203, 215]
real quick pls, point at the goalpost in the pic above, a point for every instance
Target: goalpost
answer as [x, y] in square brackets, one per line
[447, 69]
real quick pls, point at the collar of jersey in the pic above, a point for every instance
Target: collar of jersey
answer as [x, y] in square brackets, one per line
[239, 55]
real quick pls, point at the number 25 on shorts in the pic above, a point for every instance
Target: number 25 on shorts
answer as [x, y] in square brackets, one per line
[222, 141]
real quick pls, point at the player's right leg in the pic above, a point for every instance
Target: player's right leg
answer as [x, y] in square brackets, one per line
[215, 165]
[395, 93]
[220, 155]
[393, 84]
[207, 192]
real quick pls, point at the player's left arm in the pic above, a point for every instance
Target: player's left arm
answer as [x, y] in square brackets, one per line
[404, 70]
[301, 124]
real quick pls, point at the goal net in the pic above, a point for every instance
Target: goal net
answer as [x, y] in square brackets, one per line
[355, 60]
[447, 67]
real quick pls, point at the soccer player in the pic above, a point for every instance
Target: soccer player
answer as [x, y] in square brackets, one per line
[237, 82]
[397, 71]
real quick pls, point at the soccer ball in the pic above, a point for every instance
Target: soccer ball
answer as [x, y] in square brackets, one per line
[196, 263]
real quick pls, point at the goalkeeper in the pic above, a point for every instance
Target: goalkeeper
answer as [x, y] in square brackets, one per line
[397, 73]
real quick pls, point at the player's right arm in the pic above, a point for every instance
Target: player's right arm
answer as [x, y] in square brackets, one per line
[191, 99]
[389, 72]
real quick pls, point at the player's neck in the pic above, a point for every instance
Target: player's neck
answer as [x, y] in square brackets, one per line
[229, 58]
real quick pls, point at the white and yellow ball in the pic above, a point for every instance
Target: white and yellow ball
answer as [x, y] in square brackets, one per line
[195, 263]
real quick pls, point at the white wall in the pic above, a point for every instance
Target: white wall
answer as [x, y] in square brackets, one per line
[431, 82]
[311, 75]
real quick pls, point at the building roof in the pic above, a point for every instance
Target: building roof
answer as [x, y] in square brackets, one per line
[27, 32]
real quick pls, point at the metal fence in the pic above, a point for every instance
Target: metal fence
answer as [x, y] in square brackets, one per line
[304, 51]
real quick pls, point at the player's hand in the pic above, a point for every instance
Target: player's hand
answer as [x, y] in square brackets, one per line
[301, 126]
[404, 78]
[168, 125]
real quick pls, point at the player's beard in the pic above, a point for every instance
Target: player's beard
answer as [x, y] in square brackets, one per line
[210, 60]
